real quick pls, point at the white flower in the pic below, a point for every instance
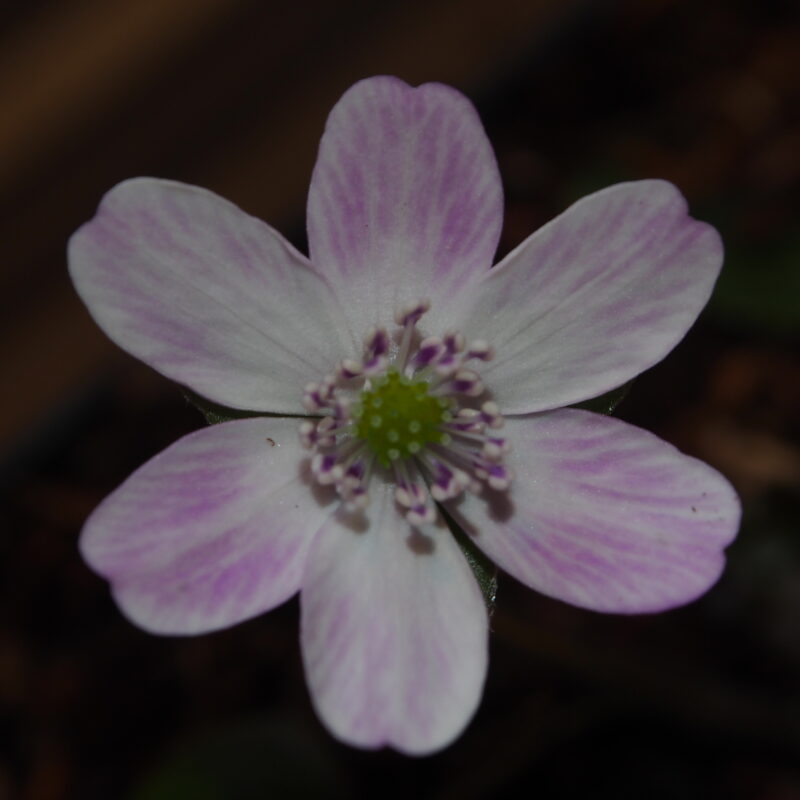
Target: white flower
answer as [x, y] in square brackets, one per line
[375, 340]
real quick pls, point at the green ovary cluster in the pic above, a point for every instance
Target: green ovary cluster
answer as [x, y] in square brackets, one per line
[398, 417]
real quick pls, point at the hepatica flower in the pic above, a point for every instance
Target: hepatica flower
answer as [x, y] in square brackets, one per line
[414, 380]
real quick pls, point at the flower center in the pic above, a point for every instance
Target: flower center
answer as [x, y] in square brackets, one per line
[412, 410]
[398, 417]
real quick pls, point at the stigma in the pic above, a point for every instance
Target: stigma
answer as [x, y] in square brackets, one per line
[412, 409]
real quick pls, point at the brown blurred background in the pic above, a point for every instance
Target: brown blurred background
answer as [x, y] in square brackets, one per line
[703, 702]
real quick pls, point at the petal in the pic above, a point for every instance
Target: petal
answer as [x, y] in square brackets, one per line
[212, 531]
[593, 298]
[605, 515]
[208, 295]
[405, 200]
[394, 632]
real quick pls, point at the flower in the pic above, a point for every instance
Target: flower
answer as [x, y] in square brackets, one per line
[374, 340]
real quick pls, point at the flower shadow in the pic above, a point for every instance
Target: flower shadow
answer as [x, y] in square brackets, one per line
[500, 509]
[322, 495]
[420, 543]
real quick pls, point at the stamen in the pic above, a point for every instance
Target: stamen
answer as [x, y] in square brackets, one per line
[466, 382]
[349, 369]
[377, 349]
[411, 314]
[428, 352]
[498, 477]
[454, 342]
[308, 434]
[446, 483]
[378, 342]
[468, 420]
[408, 318]
[480, 350]
[495, 449]
[323, 466]
[413, 496]
[491, 415]
[410, 416]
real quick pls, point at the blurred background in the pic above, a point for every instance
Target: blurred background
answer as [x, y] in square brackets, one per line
[702, 702]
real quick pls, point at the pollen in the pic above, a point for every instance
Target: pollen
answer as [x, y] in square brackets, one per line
[410, 417]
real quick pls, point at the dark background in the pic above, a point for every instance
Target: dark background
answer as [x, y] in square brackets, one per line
[702, 702]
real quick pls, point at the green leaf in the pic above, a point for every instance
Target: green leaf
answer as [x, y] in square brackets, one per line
[216, 413]
[607, 403]
[484, 570]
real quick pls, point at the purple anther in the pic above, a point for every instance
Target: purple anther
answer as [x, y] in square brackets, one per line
[468, 420]
[499, 477]
[349, 369]
[454, 342]
[467, 382]
[411, 314]
[376, 365]
[308, 434]
[323, 467]
[481, 350]
[311, 398]
[421, 514]
[377, 343]
[447, 363]
[490, 413]
[429, 350]
[494, 449]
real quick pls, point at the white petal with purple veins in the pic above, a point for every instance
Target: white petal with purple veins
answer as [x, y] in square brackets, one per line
[394, 631]
[208, 295]
[405, 199]
[210, 532]
[608, 516]
[595, 297]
